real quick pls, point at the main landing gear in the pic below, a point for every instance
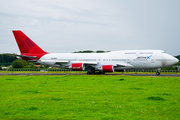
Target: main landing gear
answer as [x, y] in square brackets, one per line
[95, 72]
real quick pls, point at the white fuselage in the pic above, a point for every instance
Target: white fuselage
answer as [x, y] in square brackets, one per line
[125, 59]
[93, 62]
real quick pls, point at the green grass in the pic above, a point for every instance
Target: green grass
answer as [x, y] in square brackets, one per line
[89, 97]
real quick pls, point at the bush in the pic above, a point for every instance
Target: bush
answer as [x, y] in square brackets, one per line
[19, 63]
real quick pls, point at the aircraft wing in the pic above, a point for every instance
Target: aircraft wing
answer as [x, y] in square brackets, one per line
[90, 63]
[85, 63]
[66, 62]
[60, 62]
[55, 61]
[123, 65]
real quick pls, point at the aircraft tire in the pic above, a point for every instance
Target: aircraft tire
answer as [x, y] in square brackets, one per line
[157, 73]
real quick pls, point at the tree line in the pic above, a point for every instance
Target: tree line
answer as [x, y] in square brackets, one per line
[10, 60]
[90, 51]
[6, 60]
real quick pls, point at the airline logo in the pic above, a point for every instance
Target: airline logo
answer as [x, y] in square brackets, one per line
[142, 57]
[149, 57]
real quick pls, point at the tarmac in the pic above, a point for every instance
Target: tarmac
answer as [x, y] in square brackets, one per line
[26, 74]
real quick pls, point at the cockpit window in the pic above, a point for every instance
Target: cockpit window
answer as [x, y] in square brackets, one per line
[163, 52]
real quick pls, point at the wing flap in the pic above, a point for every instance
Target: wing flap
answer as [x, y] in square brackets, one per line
[55, 61]
[124, 65]
[90, 63]
[67, 62]
[61, 62]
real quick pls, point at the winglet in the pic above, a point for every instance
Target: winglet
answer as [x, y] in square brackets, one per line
[25, 44]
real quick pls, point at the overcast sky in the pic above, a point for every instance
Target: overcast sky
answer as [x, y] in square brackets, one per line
[74, 25]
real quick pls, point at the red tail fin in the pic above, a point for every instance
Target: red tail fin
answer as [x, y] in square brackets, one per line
[25, 44]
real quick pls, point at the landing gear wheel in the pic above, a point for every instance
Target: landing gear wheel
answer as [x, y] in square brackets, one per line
[157, 73]
[90, 72]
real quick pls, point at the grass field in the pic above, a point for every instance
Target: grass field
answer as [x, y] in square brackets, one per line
[89, 97]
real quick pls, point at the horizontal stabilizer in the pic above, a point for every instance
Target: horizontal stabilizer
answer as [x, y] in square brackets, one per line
[22, 55]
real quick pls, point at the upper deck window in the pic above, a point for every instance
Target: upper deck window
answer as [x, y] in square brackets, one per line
[130, 53]
[146, 53]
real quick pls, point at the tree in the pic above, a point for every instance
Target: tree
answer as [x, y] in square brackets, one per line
[19, 63]
[46, 66]
[6, 59]
[100, 51]
[31, 65]
[2, 66]
[85, 51]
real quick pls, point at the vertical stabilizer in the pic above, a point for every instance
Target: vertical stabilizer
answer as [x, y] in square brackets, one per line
[25, 44]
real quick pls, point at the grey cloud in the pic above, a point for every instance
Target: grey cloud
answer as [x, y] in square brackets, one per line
[67, 26]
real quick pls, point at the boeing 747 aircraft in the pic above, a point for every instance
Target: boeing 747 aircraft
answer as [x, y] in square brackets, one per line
[94, 63]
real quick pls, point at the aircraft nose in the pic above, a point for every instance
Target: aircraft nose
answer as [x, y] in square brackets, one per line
[176, 60]
[172, 60]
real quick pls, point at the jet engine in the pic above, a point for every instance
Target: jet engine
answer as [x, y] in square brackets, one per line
[78, 67]
[107, 68]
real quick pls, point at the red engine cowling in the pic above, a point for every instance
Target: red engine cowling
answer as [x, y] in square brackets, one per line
[107, 68]
[78, 67]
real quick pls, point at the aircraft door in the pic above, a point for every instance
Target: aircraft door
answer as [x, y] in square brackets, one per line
[75, 59]
[152, 60]
[99, 60]
[128, 60]
[137, 53]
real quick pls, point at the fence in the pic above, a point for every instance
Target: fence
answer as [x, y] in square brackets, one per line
[41, 70]
[69, 70]
[162, 71]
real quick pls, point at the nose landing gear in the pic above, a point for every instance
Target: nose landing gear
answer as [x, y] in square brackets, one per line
[158, 71]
